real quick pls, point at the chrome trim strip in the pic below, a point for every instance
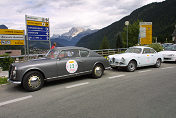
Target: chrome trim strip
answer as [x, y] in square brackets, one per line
[14, 82]
[68, 75]
[107, 68]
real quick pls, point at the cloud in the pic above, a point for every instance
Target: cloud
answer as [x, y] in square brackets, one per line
[65, 14]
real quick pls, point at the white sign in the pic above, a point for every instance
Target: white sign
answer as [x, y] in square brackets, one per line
[142, 32]
[145, 23]
[71, 66]
[12, 37]
[34, 18]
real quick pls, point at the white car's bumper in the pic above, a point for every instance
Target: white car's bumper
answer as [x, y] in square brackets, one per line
[169, 58]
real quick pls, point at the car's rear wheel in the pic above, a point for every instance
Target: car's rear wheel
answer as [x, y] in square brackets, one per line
[33, 81]
[98, 71]
[158, 63]
[131, 66]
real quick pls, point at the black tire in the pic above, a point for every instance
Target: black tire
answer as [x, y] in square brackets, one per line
[131, 66]
[33, 81]
[158, 63]
[97, 71]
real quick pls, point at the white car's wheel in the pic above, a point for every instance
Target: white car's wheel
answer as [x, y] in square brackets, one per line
[158, 63]
[131, 66]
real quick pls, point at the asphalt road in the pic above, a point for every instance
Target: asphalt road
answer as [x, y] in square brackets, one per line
[146, 93]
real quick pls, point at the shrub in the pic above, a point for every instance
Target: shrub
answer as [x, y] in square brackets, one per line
[3, 80]
[6, 62]
[156, 47]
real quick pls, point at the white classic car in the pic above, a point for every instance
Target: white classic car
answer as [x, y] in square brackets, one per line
[169, 53]
[137, 56]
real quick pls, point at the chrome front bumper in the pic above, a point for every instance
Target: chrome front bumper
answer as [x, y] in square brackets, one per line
[14, 82]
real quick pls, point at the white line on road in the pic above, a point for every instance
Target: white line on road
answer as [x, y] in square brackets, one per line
[167, 68]
[116, 76]
[144, 71]
[76, 85]
[15, 100]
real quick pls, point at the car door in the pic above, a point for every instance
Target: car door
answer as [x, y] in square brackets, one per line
[146, 57]
[86, 61]
[154, 56]
[68, 63]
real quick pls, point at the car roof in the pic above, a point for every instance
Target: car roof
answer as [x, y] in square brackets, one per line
[69, 47]
[140, 47]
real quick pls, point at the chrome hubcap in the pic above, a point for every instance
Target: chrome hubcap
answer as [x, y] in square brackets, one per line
[34, 82]
[158, 63]
[131, 66]
[98, 71]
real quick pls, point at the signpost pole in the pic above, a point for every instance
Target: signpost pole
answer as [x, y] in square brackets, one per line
[24, 46]
[49, 35]
[27, 38]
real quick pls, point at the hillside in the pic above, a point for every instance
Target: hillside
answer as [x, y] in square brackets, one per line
[162, 15]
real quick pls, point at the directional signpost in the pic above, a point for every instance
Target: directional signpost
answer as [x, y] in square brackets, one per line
[37, 29]
[12, 37]
[145, 33]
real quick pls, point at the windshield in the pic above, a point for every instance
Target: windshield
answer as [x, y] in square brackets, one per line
[171, 48]
[52, 54]
[133, 50]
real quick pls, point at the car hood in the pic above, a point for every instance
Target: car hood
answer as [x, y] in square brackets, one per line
[33, 62]
[124, 55]
[167, 52]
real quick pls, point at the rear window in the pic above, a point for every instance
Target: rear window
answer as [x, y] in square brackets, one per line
[84, 53]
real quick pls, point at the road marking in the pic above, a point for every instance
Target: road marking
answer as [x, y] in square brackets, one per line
[76, 85]
[144, 71]
[116, 76]
[15, 100]
[167, 68]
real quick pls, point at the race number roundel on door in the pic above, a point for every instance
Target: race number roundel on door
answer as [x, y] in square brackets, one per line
[71, 66]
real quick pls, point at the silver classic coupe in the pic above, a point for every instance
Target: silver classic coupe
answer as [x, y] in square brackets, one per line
[59, 63]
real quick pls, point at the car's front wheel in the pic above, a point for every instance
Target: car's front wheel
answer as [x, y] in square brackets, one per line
[98, 71]
[131, 66]
[33, 81]
[158, 63]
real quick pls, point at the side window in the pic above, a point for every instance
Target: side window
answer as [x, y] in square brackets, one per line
[146, 50]
[84, 53]
[152, 51]
[68, 54]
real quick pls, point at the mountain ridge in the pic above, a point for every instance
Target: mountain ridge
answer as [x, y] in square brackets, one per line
[161, 14]
[71, 37]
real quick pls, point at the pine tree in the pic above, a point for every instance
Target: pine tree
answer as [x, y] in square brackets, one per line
[105, 43]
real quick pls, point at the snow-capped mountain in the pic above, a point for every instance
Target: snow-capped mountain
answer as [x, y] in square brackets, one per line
[71, 37]
[74, 32]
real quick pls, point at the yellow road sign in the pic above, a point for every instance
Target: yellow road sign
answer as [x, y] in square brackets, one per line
[146, 33]
[11, 31]
[37, 23]
[12, 42]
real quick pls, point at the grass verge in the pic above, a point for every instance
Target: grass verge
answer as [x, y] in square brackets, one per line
[3, 80]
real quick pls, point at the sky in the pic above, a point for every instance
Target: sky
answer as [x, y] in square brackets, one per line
[65, 14]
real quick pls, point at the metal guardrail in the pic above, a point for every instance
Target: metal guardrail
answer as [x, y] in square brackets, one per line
[104, 52]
